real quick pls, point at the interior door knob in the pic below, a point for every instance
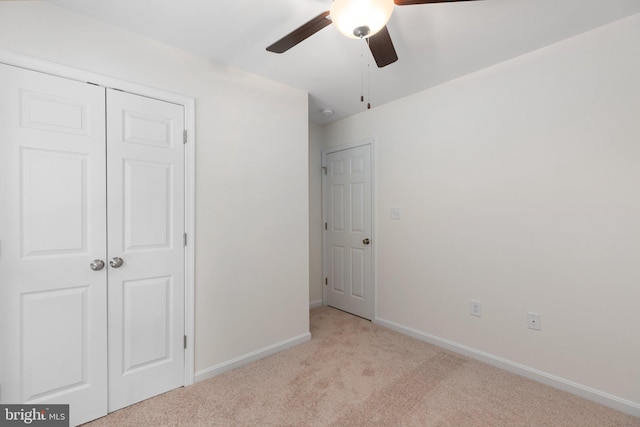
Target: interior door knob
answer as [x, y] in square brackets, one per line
[97, 265]
[116, 262]
[366, 241]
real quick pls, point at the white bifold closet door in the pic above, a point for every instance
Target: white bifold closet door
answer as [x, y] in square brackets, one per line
[91, 244]
[145, 204]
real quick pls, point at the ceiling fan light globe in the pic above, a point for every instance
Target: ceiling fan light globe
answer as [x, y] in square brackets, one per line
[348, 15]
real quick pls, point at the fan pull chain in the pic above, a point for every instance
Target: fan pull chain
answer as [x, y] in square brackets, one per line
[365, 72]
[361, 72]
[368, 80]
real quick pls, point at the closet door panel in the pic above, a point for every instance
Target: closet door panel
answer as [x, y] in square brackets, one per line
[52, 227]
[145, 231]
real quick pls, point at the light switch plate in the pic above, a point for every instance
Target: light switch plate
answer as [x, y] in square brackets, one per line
[396, 212]
[476, 308]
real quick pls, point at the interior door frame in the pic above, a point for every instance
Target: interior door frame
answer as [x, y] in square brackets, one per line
[16, 60]
[371, 142]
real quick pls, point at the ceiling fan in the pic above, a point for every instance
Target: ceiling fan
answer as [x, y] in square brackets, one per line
[358, 19]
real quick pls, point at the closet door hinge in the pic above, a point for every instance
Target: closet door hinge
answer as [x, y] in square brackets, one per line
[184, 136]
[185, 341]
[325, 225]
[326, 281]
[185, 239]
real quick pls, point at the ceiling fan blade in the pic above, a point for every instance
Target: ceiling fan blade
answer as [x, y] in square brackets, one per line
[301, 33]
[382, 48]
[410, 2]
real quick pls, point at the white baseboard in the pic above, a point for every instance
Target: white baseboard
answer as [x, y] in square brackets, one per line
[615, 402]
[315, 304]
[245, 359]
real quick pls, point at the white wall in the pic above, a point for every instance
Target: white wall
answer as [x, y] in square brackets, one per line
[520, 186]
[251, 174]
[315, 215]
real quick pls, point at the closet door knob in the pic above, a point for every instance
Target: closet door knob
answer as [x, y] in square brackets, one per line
[116, 262]
[97, 265]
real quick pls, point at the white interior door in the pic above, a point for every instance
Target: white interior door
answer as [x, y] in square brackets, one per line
[146, 231]
[53, 323]
[349, 224]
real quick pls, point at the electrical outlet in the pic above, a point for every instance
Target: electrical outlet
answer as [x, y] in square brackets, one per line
[476, 308]
[533, 320]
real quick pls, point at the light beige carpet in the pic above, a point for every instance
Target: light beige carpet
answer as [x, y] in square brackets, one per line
[355, 373]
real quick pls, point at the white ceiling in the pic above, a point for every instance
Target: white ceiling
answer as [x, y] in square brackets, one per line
[435, 42]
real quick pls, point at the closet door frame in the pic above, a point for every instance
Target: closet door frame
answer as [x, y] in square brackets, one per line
[10, 58]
